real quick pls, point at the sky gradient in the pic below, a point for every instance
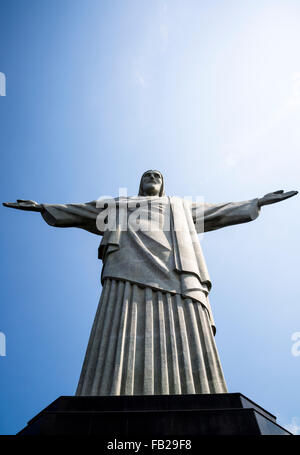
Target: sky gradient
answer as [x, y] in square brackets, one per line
[97, 92]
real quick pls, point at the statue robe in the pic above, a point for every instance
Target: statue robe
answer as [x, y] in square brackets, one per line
[153, 330]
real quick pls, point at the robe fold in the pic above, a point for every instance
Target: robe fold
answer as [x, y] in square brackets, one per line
[153, 330]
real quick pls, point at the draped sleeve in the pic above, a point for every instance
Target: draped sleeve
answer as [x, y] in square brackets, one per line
[209, 217]
[82, 216]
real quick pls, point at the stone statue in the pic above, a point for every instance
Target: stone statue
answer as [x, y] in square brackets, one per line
[153, 331]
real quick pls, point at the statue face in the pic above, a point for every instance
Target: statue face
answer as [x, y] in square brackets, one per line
[151, 182]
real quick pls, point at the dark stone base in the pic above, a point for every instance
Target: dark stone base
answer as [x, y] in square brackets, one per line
[152, 416]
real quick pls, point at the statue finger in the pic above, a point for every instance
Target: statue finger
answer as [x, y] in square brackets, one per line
[289, 194]
[268, 195]
[25, 201]
[22, 206]
[10, 204]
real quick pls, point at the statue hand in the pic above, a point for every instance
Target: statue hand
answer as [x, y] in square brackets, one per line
[22, 204]
[276, 196]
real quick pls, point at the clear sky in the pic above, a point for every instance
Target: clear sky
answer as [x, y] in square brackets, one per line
[96, 93]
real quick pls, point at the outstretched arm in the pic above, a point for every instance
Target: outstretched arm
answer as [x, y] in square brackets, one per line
[63, 215]
[216, 216]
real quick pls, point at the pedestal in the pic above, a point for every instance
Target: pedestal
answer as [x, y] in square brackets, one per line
[150, 416]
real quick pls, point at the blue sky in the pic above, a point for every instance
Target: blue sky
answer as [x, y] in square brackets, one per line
[96, 93]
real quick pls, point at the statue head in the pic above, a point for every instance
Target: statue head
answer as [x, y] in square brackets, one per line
[152, 184]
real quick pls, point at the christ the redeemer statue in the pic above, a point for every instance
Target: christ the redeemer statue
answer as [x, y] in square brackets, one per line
[153, 331]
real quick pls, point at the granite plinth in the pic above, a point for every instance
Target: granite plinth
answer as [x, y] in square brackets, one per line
[155, 415]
